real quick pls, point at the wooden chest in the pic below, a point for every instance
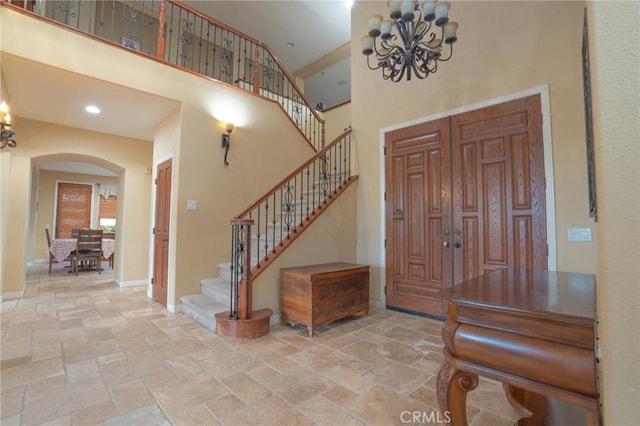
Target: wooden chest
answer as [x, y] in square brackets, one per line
[316, 295]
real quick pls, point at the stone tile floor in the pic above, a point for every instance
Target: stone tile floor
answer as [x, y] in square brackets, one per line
[80, 350]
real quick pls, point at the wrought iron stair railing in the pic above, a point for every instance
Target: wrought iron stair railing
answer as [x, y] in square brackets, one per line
[178, 35]
[263, 230]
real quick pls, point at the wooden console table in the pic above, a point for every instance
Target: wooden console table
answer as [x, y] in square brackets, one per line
[532, 330]
[316, 295]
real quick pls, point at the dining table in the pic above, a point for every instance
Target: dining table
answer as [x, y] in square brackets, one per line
[61, 248]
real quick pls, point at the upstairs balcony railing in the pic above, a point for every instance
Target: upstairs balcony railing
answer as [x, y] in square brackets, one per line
[176, 34]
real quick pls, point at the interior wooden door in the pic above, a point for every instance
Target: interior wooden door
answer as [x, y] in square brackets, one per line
[498, 189]
[73, 208]
[159, 280]
[418, 213]
[464, 195]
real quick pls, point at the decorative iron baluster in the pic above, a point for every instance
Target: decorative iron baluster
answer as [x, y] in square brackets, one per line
[237, 266]
[227, 60]
[186, 42]
[288, 207]
[268, 72]
[266, 233]
[308, 193]
[296, 112]
[132, 20]
[273, 241]
[258, 236]
[66, 9]
[325, 174]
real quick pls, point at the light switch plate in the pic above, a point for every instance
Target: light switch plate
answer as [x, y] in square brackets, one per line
[192, 204]
[579, 234]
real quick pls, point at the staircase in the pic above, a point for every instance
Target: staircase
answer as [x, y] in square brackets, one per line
[275, 221]
[213, 298]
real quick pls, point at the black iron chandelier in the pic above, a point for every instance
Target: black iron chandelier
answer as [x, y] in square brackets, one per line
[6, 134]
[423, 37]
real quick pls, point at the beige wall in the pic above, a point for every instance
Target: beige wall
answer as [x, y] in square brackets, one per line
[262, 152]
[44, 192]
[336, 120]
[615, 81]
[503, 48]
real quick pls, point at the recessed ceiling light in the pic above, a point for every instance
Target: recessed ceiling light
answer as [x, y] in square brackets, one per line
[92, 109]
[290, 44]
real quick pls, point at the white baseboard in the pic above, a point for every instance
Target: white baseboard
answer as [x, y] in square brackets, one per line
[131, 283]
[377, 303]
[12, 295]
[174, 309]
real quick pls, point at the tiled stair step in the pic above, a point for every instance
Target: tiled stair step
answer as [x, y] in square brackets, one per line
[202, 309]
[224, 269]
[216, 288]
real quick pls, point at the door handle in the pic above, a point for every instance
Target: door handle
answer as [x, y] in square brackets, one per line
[457, 244]
[166, 240]
[445, 244]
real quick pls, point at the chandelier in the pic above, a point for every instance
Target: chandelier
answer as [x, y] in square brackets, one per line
[6, 134]
[417, 45]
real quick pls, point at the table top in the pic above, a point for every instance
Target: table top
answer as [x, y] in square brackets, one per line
[322, 268]
[535, 292]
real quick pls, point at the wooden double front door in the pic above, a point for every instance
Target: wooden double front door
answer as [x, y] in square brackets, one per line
[464, 195]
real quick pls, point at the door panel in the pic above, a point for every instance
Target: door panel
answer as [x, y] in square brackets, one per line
[73, 209]
[418, 211]
[473, 181]
[498, 186]
[161, 233]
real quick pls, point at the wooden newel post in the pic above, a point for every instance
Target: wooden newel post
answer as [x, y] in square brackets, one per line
[243, 262]
[162, 31]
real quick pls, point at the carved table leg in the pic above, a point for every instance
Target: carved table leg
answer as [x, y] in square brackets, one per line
[453, 386]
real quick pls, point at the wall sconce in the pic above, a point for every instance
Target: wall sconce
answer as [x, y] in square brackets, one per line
[6, 134]
[226, 141]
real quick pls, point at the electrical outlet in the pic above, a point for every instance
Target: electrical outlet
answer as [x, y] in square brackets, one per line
[192, 204]
[579, 234]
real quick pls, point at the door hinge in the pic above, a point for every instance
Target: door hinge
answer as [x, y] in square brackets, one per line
[151, 280]
[384, 148]
[385, 289]
[155, 181]
[154, 231]
[545, 183]
[385, 243]
[547, 249]
[385, 195]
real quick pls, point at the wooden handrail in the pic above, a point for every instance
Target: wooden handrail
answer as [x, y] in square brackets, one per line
[318, 154]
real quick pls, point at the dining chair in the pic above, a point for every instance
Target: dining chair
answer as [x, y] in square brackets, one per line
[52, 258]
[109, 236]
[89, 249]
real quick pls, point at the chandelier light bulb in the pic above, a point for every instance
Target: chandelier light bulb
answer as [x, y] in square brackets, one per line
[412, 42]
